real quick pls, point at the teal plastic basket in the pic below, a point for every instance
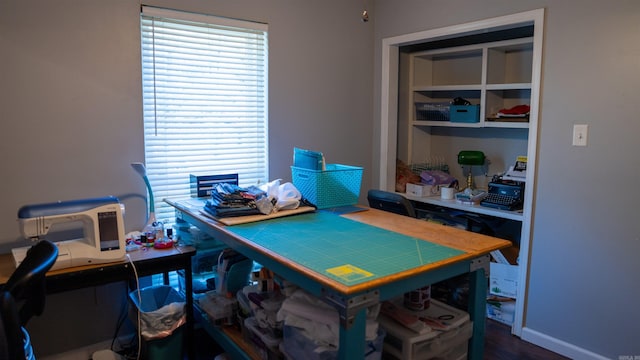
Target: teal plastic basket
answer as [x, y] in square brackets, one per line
[338, 185]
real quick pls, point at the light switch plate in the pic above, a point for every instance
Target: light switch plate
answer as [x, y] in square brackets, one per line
[580, 132]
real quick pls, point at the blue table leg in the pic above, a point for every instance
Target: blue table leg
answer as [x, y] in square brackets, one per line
[352, 340]
[477, 312]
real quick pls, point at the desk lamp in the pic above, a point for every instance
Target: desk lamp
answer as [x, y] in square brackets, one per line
[470, 158]
[140, 169]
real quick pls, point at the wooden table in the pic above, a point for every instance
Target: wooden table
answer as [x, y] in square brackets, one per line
[309, 250]
[147, 262]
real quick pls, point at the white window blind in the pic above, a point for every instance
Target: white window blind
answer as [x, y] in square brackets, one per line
[205, 101]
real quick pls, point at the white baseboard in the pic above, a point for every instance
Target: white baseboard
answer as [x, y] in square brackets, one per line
[558, 346]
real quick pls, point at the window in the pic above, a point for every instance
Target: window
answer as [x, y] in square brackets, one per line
[204, 82]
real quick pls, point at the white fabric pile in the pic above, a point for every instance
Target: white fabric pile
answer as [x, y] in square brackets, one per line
[320, 321]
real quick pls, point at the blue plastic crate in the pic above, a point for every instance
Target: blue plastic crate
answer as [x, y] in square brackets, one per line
[337, 185]
[464, 113]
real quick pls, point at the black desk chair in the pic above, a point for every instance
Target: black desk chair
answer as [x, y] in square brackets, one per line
[22, 297]
[392, 202]
[396, 203]
[11, 337]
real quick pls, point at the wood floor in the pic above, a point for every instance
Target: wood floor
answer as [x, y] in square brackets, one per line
[499, 345]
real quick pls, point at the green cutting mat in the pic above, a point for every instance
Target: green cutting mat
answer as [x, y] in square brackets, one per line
[345, 250]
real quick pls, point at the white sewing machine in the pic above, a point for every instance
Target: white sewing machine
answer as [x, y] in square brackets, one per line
[102, 222]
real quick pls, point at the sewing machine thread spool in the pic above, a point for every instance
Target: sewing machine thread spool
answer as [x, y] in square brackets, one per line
[159, 230]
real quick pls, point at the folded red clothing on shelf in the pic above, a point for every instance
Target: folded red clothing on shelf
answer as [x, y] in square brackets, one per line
[516, 110]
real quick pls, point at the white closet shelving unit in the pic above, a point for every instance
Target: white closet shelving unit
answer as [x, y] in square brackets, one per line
[494, 74]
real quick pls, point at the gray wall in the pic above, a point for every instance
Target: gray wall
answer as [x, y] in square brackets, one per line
[583, 290]
[71, 114]
[70, 106]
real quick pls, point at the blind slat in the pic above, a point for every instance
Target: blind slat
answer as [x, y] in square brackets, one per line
[204, 101]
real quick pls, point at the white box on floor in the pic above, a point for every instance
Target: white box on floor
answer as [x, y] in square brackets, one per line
[449, 343]
[501, 309]
[503, 280]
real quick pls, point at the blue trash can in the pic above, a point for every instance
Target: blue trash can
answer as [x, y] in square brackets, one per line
[162, 315]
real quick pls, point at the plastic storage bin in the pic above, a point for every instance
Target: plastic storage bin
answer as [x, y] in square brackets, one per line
[295, 345]
[338, 185]
[162, 313]
[450, 340]
[465, 113]
[432, 111]
[220, 309]
[264, 343]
